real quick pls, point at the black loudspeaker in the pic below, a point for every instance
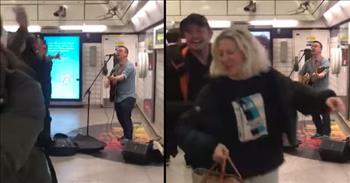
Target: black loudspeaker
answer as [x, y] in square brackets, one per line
[331, 150]
[136, 153]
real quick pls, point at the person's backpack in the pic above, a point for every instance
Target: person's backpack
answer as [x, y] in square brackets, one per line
[180, 66]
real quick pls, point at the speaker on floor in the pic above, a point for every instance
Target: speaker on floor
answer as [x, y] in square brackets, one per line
[332, 150]
[136, 153]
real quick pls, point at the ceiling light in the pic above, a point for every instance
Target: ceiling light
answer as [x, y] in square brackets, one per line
[219, 23]
[150, 6]
[336, 9]
[34, 28]
[94, 28]
[261, 22]
[71, 27]
[11, 28]
[275, 23]
[14, 28]
[285, 23]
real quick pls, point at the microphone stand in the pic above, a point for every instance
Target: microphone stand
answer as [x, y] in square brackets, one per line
[88, 143]
[291, 72]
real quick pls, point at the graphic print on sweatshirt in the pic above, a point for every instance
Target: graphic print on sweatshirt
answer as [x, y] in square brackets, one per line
[250, 117]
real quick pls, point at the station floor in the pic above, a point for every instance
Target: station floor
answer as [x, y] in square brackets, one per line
[294, 170]
[84, 168]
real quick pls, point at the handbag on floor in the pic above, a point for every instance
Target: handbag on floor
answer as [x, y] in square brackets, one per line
[202, 175]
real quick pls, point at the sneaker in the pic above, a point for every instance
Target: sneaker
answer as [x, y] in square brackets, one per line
[325, 137]
[317, 135]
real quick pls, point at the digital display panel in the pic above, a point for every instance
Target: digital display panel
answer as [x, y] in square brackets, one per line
[65, 74]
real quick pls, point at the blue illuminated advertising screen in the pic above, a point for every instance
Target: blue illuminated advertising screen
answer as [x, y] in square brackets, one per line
[65, 74]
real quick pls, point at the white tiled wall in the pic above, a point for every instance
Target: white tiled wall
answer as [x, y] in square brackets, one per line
[159, 106]
[139, 83]
[286, 67]
[338, 82]
[90, 72]
[283, 67]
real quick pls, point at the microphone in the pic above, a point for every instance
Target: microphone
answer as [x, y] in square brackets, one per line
[110, 55]
[307, 53]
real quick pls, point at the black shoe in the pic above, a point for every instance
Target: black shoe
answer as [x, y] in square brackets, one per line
[317, 135]
[168, 161]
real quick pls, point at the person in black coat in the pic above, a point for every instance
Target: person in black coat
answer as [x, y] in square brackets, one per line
[22, 112]
[245, 108]
[187, 70]
[33, 51]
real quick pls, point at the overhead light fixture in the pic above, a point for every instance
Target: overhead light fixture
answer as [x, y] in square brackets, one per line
[71, 27]
[261, 22]
[10, 28]
[14, 28]
[85, 28]
[335, 9]
[94, 28]
[251, 7]
[219, 23]
[150, 6]
[34, 28]
[285, 23]
[275, 23]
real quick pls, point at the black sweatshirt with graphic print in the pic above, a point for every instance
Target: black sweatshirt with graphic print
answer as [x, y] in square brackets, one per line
[214, 119]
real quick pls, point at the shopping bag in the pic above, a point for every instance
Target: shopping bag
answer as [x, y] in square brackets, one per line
[201, 175]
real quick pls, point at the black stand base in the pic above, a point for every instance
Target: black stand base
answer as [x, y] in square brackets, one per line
[88, 144]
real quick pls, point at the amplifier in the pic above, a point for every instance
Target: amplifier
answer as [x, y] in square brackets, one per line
[136, 153]
[332, 150]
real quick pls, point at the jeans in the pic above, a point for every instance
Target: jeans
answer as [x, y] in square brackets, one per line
[123, 110]
[323, 125]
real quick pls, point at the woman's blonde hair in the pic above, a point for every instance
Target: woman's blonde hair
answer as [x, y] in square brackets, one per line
[254, 54]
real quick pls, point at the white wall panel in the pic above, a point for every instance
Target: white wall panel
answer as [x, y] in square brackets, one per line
[6, 12]
[18, 2]
[159, 94]
[172, 7]
[204, 7]
[283, 67]
[66, 2]
[90, 72]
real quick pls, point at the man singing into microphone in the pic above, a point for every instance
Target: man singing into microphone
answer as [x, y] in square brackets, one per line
[115, 61]
[317, 70]
[124, 100]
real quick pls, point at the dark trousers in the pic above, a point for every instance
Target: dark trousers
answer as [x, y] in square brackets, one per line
[123, 110]
[45, 135]
[322, 123]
